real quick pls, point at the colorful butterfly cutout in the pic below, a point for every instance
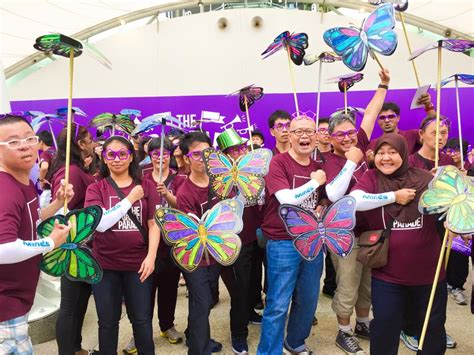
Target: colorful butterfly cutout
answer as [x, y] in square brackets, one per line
[312, 234]
[400, 5]
[250, 93]
[325, 57]
[215, 234]
[73, 259]
[354, 45]
[62, 111]
[58, 44]
[246, 174]
[131, 112]
[450, 193]
[43, 118]
[294, 43]
[155, 120]
[453, 45]
[347, 80]
[467, 79]
[122, 122]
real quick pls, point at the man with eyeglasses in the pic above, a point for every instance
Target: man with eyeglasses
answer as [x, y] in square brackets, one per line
[279, 123]
[388, 119]
[294, 178]
[20, 251]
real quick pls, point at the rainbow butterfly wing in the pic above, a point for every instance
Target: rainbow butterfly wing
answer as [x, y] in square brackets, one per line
[222, 223]
[277, 44]
[73, 259]
[303, 226]
[294, 43]
[349, 81]
[451, 192]
[339, 220]
[379, 30]
[346, 42]
[219, 168]
[250, 93]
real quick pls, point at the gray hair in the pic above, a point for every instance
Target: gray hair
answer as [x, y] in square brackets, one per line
[338, 119]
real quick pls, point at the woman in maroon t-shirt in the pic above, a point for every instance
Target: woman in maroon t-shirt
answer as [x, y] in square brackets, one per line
[125, 246]
[74, 294]
[389, 195]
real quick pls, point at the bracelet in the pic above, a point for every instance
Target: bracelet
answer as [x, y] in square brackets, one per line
[429, 108]
[382, 86]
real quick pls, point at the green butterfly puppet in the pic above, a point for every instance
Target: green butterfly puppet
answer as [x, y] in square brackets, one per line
[73, 259]
[450, 193]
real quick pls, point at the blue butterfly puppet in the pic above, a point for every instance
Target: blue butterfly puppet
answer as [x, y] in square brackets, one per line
[376, 34]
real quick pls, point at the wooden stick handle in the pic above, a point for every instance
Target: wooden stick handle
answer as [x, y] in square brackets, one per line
[248, 121]
[292, 76]
[345, 98]
[438, 106]
[376, 59]
[402, 20]
[69, 125]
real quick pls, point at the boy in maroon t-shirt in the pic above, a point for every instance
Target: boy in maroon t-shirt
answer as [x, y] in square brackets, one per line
[195, 197]
[20, 252]
[279, 123]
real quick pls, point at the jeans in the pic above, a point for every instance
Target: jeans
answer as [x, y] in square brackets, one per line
[108, 295]
[290, 278]
[14, 338]
[458, 270]
[74, 299]
[200, 284]
[389, 302]
[166, 279]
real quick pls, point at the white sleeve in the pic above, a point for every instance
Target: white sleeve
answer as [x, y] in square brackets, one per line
[21, 250]
[339, 185]
[112, 216]
[298, 195]
[367, 201]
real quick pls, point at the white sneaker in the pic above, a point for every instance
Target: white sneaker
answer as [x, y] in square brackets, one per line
[458, 296]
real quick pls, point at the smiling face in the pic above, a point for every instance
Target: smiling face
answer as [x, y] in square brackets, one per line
[121, 162]
[387, 159]
[343, 137]
[22, 158]
[305, 143]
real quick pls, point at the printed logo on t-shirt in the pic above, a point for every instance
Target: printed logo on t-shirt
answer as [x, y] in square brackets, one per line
[416, 224]
[125, 224]
[311, 202]
[204, 206]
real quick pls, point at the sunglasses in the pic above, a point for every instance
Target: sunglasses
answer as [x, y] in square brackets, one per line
[390, 117]
[122, 154]
[17, 143]
[195, 155]
[239, 149]
[340, 135]
[282, 126]
[155, 154]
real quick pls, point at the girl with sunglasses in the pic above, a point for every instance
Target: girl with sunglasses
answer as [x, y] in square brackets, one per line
[125, 245]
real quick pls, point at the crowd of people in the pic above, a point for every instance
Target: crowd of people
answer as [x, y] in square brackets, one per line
[312, 166]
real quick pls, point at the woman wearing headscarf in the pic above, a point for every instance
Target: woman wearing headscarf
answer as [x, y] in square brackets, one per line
[389, 194]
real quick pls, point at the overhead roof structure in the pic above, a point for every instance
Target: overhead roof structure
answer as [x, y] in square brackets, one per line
[21, 21]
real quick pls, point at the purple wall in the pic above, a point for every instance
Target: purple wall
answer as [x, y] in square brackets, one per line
[188, 108]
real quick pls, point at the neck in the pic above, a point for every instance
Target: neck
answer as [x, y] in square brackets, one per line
[394, 131]
[123, 179]
[164, 174]
[324, 147]
[301, 159]
[199, 179]
[283, 147]
[20, 176]
[427, 153]
[180, 161]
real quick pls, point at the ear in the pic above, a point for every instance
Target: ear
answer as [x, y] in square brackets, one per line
[271, 132]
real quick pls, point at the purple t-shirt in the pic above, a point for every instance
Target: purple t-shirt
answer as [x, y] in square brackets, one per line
[417, 161]
[47, 156]
[286, 173]
[413, 247]
[411, 136]
[195, 199]
[79, 179]
[19, 207]
[122, 247]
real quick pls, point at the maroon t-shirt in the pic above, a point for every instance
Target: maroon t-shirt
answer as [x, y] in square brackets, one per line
[413, 247]
[286, 173]
[122, 247]
[252, 219]
[47, 156]
[19, 207]
[79, 179]
[411, 136]
[417, 161]
[196, 200]
[146, 169]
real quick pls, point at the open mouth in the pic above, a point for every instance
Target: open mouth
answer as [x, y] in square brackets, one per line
[27, 157]
[305, 144]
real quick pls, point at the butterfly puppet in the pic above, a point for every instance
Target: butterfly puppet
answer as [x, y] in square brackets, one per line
[73, 259]
[324, 57]
[346, 81]
[113, 121]
[354, 44]
[400, 5]
[150, 122]
[452, 194]
[215, 234]
[452, 45]
[246, 174]
[250, 93]
[294, 43]
[312, 233]
[467, 79]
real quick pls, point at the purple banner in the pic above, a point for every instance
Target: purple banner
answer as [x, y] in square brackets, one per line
[224, 111]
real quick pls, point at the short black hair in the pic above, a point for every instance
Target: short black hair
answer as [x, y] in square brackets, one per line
[175, 132]
[155, 143]
[134, 168]
[193, 137]
[8, 119]
[276, 115]
[392, 106]
[324, 120]
[453, 143]
[258, 133]
[46, 137]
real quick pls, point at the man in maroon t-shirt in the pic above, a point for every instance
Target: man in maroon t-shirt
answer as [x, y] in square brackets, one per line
[46, 157]
[20, 251]
[279, 122]
[293, 178]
